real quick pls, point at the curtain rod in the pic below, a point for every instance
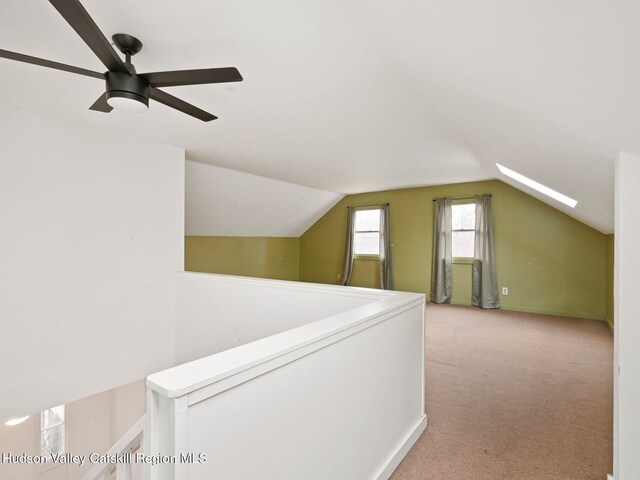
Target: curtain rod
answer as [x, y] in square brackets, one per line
[370, 205]
[463, 198]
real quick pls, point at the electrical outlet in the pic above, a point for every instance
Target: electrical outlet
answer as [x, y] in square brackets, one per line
[505, 290]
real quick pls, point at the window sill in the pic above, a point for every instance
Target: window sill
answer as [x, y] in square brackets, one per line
[366, 257]
[463, 260]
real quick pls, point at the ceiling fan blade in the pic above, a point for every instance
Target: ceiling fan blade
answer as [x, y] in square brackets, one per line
[193, 77]
[48, 63]
[80, 20]
[101, 105]
[184, 107]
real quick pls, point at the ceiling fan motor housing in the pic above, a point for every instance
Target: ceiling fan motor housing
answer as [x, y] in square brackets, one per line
[127, 86]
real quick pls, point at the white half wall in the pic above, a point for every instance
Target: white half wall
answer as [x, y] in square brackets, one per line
[349, 411]
[626, 427]
[91, 234]
[213, 313]
[339, 397]
[224, 202]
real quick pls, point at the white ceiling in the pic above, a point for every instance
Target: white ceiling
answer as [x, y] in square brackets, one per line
[224, 202]
[367, 95]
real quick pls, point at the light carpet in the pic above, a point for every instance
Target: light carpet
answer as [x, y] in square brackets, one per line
[514, 396]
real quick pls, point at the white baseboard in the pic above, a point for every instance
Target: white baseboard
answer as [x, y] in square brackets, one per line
[609, 476]
[393, 462]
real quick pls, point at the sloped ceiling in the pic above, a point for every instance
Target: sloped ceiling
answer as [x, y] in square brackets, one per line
[368, 95]
[224, 202]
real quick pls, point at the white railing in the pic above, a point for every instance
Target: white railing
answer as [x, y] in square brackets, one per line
[130, 443]
[333, 390]
[341, 397]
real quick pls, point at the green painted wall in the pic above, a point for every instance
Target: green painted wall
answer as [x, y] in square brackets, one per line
[266, 257]
[610, 260]
[551, 263]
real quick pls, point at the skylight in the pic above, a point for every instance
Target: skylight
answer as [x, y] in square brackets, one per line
[537, 186]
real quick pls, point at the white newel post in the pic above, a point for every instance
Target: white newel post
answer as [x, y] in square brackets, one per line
[168, 436]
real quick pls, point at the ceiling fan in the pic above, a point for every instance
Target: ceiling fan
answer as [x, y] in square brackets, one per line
[125, 88]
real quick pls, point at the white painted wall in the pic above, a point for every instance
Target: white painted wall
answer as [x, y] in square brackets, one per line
[128, 404]
[218, 312]
[91, 233]
[88, 430]
[226, 202]
[627, 320]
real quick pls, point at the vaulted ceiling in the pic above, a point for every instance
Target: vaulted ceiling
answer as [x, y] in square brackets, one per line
[367, 95]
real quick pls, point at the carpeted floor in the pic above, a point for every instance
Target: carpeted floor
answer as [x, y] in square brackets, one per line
[514, 396]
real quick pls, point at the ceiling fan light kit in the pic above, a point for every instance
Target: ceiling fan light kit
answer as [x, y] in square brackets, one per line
[127, 102]
[127, 90]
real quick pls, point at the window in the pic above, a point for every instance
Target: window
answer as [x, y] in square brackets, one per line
[52, 431]
[366, 240]
[463, 230]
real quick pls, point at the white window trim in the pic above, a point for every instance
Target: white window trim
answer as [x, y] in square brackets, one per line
[365, 256]
[461, 260]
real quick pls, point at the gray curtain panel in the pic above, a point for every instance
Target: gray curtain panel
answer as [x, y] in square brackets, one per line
[386, 279]
[441, 265]
[348, 251]
[484, 290]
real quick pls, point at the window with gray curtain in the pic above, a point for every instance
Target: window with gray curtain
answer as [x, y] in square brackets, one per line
[369, 233]
[484, 289]
[441, 268]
